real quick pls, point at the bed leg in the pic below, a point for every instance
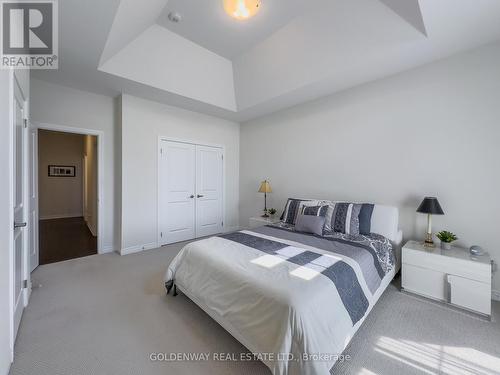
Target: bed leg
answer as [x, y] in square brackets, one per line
[169, 285]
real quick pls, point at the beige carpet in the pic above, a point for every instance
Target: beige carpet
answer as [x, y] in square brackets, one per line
[105, 314]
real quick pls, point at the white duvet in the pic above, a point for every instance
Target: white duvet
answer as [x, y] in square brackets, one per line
[290, 315]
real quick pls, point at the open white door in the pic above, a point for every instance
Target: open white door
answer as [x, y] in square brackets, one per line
[209, 205]
[33, 199]
[177, 189]
[19, 225]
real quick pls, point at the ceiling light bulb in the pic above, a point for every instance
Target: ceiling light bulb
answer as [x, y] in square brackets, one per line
[241, 9]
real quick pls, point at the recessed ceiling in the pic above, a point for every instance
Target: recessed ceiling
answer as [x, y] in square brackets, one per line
[206, 23]
[291, 51]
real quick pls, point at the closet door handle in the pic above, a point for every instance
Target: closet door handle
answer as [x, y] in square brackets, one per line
[199, 196]
[191, 196]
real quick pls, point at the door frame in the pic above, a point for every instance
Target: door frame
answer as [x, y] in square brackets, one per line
[100, 171]
[84, 186]
[32, 174]
[158, 179]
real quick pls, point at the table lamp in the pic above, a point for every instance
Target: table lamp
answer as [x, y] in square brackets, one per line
[430, 206]
[265, 188]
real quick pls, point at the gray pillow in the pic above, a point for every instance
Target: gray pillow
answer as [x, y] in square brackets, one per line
[310, 224]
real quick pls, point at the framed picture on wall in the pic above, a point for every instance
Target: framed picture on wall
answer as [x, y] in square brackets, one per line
[62, 171]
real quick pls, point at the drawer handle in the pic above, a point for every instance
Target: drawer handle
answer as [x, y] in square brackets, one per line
[448, 288]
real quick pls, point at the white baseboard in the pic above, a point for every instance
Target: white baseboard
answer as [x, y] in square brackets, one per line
[60, 216]
[154, 245]
[107, 249]
[138, 248]
[495, 295]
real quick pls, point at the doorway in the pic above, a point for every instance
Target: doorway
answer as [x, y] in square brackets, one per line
[67, 195]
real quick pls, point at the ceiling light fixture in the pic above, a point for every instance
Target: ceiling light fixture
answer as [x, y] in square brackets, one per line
[241, 9]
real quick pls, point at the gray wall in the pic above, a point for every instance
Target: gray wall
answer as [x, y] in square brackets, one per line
[60, 197]
[430, 131]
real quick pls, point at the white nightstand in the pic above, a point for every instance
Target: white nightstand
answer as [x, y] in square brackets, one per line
[453, 276]
[255, 222]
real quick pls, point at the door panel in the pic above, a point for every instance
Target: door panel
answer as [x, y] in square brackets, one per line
[33, 201]
[208, 191]
[177, 189]
[19, 206]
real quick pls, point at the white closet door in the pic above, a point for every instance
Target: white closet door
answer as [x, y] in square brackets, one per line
[177, 195]
[209, 217]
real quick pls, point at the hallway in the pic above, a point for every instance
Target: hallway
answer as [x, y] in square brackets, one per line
[63, 239]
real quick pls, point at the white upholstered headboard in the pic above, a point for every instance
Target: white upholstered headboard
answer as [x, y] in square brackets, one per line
[385, 221]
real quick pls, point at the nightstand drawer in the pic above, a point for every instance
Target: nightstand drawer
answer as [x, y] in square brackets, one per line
[470, 294]
[451, 275]
[424, 281]
[447, 265]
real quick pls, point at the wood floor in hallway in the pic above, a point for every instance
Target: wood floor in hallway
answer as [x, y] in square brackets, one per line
[63, 239]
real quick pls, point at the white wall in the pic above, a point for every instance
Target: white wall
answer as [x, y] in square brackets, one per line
[65, 106]
[60, 197]
[430, 131]
[143, 122]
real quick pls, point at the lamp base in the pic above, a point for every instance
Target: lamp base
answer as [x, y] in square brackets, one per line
[265, 215]
[428, 240]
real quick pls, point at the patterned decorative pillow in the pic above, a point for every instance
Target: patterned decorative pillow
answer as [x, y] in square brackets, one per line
[293, 207]
[365, 218]
[328, 218]
[315, 210]
[342, 217]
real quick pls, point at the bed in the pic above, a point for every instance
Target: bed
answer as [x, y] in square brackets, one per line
[293, 299]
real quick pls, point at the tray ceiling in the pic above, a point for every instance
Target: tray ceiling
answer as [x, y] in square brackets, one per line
[290, 52]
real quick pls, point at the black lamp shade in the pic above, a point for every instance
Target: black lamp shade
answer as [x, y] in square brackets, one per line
[430, 205]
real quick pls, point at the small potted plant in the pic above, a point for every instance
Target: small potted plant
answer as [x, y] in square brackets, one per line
[446, 239]
[272, 211]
